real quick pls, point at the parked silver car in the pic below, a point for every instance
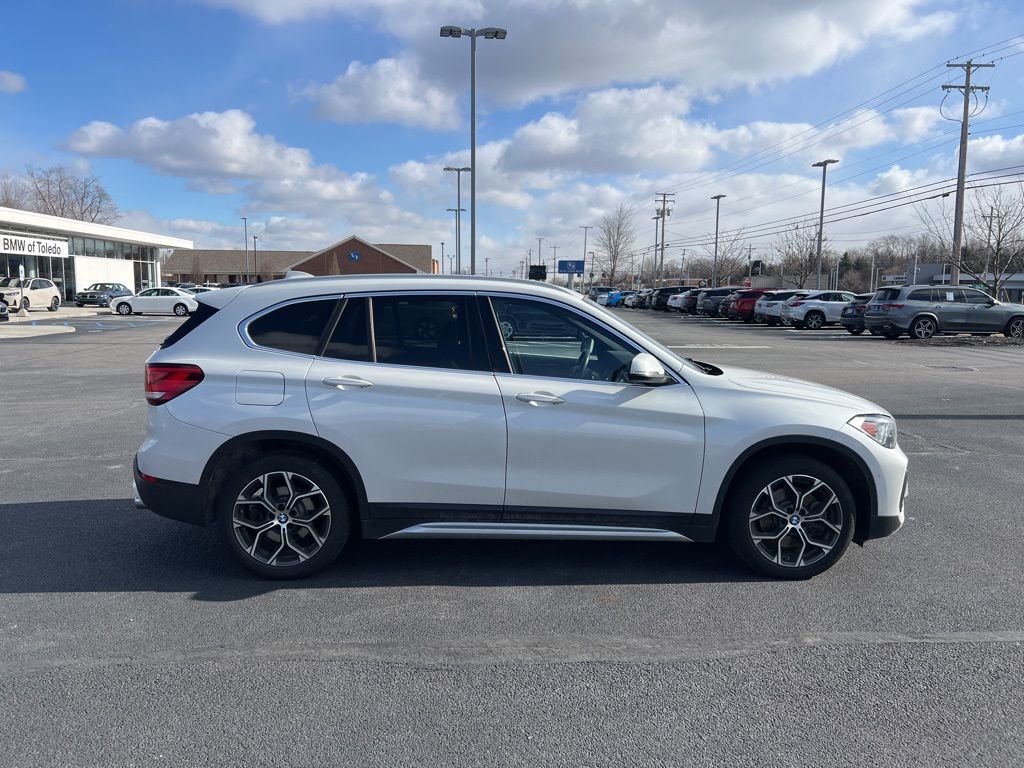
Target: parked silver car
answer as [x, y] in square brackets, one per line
[925, 310]
[816, 309]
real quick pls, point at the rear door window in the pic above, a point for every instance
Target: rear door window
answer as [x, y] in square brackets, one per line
[428, 331]
[295, 327]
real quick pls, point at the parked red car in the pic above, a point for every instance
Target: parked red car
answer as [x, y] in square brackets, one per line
[742, 307]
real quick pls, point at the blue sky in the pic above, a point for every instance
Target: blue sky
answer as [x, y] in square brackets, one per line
[317, 118]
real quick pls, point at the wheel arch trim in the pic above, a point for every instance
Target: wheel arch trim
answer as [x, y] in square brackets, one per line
[803, 441]
[313, 443]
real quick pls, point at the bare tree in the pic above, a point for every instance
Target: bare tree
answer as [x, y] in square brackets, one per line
[732, 257]
[797, 255]
[196, 269]
[58, 192]
[615, 237]
[13, 192]
[995, 236]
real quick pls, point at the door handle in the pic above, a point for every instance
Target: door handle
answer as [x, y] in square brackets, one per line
[346, 382]
[539, 398]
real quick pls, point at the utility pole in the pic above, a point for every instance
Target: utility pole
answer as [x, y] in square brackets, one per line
[643, 258]
[442, 256]
[255, 269]
[824, 164]
[487, 266]
[750, 252]
[245, 239]
[714, 263]
[540, 253]
[958, 216]
[664, 212]
[583, 279]
[554, 262]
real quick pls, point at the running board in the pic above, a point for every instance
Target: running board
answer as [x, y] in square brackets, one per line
[533, 531]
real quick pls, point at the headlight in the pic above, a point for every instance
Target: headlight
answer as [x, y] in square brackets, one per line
[877, 426]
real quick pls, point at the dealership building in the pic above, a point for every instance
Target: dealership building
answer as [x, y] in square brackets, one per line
[75, 254]
[351, 255]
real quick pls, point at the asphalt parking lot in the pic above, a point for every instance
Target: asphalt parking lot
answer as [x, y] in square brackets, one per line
[126, 639]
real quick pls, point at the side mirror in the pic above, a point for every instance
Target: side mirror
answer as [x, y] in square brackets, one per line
[647, 369]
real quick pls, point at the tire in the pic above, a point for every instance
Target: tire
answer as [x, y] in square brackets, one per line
[772, 322]
[891, 334]
[79, 304]
[761, 504]
[796, 324]
[923, 328]
[180, 310]
[24, 304]
[253, 533]
[1015, 328]
[54, 304]
[855, 331]
[123, 308]
[873, 332]
[814, 321]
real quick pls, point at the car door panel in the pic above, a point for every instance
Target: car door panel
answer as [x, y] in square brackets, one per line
[605, 447]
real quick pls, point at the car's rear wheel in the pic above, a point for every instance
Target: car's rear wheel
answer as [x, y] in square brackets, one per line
[1015, 328]
[814, 320]
[124, 308]
[790, 518]
[923, 328]
[891, 334]
[54, 304]
[283, 516]
[180, 310]
[855, 331]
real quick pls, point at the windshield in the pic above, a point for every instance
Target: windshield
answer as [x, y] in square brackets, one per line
[10, 282]
[100, 287]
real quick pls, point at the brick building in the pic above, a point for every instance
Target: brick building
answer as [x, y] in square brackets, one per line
[351, 256]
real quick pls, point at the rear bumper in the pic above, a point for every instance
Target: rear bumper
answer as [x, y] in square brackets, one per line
[176, 501]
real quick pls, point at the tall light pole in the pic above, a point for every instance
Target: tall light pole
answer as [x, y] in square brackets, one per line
[487, 266]
[442, 257]
[488, 33]
[245, 242]
[255, 270]
[821, 214]
[714, 263]
[458, 216]
[458, 261]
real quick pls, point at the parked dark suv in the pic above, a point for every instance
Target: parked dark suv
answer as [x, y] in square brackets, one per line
[852, 318]
[709, 299]
[923, 311]
[100, 294]
[659, 299]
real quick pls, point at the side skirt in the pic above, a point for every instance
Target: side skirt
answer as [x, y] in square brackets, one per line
[533, 531]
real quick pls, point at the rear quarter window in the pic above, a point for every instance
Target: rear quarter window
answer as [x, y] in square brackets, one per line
[887, 294]
[296, 327]
[203, 313]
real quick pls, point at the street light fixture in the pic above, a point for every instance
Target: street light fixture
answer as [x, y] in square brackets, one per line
[255, 269]
[458, 261]
[458, 216]
[714, 264]
[245, 242]
[488, 33]
[824, 164]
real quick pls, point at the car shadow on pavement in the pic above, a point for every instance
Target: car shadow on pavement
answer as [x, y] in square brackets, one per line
[109, 546]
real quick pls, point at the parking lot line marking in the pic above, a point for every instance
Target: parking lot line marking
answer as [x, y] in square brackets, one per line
[720, 346]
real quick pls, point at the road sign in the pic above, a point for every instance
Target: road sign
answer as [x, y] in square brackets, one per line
[894, 278]
[570, 267]
[538, 272]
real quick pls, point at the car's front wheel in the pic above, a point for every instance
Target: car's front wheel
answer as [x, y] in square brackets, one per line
[283, 516]
[1015, 328]
[855, 331]
[54, 304]
[790, 518]
[124, 308]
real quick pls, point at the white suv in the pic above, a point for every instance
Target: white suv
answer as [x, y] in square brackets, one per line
[816, 309]
[294, 415]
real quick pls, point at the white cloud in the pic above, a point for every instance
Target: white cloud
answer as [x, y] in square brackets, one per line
[557, 47]
[390, 90]
[12, 82]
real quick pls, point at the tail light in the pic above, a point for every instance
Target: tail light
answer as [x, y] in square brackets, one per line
[893, 306]
[165, 381]
[796, 303]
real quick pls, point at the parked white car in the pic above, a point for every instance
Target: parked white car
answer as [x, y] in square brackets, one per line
[602, 299]
[294, 415]
[38, 292]
[816, 309]
[675, 301]
[768, 309]
[171, 301]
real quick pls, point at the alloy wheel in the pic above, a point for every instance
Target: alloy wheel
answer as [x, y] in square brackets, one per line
[924, 328]
[1015, 328]
[814, 321]
[180, 310]
[796, 521]
[124, 309]
[281, 519]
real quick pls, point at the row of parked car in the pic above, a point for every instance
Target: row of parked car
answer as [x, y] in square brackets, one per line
[919, 311]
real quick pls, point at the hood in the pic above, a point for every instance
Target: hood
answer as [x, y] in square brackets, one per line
[798, 388]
